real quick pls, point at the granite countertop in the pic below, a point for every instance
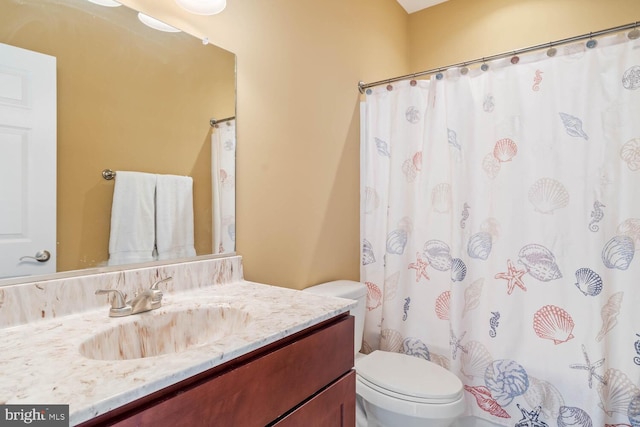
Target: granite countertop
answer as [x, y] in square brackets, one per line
[41, 362]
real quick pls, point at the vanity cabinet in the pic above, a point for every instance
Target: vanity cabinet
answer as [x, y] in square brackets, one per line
[306, 379]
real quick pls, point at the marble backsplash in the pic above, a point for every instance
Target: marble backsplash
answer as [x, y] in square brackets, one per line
[47, 299]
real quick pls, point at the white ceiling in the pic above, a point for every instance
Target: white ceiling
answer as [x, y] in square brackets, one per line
[415, 5]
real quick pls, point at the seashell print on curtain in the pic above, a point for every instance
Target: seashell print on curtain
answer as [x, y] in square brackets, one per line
[505, 150]
[499, 232]
[588, 281]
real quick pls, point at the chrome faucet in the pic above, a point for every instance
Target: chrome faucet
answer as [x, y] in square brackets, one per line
[149, 299]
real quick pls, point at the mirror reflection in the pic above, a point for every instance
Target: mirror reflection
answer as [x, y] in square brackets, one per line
[128, 98]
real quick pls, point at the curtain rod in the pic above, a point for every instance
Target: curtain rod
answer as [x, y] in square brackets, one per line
[213, 122]
[634, 34]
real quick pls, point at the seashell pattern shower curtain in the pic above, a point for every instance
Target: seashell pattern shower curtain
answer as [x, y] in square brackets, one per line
[500, 224]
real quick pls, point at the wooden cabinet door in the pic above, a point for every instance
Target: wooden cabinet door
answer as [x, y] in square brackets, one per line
[333, 407]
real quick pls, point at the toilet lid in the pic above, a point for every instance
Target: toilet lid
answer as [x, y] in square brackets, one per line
[409, 376]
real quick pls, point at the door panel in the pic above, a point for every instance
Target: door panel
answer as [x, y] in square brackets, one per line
[27, 161]
[334, 406]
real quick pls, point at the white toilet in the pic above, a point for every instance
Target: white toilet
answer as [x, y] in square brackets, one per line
[394, 389]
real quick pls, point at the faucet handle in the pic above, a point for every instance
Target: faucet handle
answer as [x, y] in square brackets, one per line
[157, 293]
[118, 301]
[154, 287]
[119, 305]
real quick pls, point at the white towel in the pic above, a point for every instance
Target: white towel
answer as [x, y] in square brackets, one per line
[174, 217]
[132, 236]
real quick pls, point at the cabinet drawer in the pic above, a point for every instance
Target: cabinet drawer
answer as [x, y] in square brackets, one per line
[333, 407]
[260, 390]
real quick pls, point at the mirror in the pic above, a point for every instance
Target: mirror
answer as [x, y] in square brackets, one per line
[128, 98]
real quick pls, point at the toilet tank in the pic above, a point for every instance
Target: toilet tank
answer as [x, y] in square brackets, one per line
[350, 290]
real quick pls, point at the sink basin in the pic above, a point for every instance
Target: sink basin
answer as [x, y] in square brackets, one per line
[155, 333]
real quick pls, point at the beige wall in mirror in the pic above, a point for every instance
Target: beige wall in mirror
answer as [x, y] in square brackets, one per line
[129, 98]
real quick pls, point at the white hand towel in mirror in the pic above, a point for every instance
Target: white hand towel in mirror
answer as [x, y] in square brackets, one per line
[174, 217]
[132, 234]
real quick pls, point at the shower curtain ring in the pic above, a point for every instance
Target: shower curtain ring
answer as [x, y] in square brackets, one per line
[591, 43]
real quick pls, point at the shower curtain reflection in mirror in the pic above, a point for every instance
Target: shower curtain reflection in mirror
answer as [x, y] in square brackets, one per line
[223, 160]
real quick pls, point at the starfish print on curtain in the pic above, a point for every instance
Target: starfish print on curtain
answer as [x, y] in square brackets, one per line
[513, 276]
[420, 266]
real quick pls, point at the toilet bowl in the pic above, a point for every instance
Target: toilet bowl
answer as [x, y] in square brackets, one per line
[394, 389]
[401, 390]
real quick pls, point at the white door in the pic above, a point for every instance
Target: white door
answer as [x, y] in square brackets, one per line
[27, 162]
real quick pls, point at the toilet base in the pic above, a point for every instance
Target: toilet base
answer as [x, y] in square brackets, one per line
[368, 415]
[361, 415]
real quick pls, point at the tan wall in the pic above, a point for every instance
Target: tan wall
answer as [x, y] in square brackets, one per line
[299, 62]
[128, 100]
[461, 30]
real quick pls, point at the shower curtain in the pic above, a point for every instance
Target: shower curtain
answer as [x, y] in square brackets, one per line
[500, 218]
[223, 184]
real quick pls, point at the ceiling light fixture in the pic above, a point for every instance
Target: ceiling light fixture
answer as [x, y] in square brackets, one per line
[203, 7]
[155, 24]
[108, 3]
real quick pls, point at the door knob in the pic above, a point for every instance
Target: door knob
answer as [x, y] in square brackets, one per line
[41, 256]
